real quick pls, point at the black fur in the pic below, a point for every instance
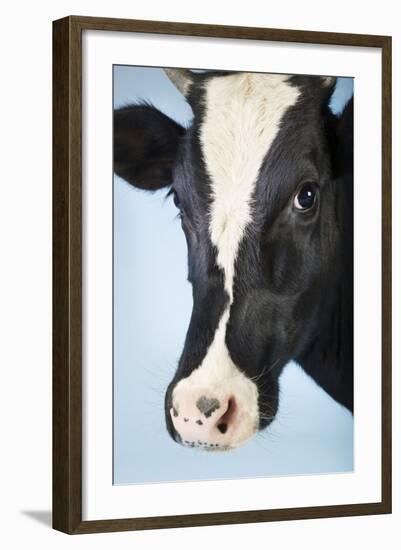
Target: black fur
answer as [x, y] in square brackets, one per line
[293, 287]
[145, 145]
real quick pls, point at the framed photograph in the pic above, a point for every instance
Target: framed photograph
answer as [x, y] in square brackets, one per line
[221, 274]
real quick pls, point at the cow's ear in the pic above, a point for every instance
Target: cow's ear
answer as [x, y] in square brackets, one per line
[340, 131]
[345, 139]
[145, 146]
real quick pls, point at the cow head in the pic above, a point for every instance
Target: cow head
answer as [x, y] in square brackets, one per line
[257, 182]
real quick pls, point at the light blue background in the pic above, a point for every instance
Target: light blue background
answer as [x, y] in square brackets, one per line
[152, 308]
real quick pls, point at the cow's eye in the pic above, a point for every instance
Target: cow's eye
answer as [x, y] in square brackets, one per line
[176, 200]
[306, 197]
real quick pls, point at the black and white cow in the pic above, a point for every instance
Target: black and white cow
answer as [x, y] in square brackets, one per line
[263, 182]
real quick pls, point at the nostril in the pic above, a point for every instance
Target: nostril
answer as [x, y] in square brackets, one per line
[222, 427]
[225, 420]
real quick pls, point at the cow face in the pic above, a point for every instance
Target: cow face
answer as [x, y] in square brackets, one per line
[254, 179]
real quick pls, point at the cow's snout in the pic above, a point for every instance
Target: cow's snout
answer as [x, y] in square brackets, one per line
[205, 421]
[213, 418]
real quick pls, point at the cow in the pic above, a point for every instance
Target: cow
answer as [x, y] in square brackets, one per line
[263, 182]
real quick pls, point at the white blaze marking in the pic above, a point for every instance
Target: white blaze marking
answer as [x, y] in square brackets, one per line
[243, 114]
[242, 118]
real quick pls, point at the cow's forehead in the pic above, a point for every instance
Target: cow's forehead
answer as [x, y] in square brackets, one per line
[237, 118]
[242, 116]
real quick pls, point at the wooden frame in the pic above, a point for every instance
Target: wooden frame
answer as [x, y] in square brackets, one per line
[67, 279]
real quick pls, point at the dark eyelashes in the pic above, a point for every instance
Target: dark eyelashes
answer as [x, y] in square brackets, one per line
[173, 193]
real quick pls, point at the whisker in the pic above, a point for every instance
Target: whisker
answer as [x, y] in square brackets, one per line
[271, 367]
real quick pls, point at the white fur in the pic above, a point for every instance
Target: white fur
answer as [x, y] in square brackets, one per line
[243, 114]
[218, 377]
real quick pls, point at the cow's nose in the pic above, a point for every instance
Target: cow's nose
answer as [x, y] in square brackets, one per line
[206, 421]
